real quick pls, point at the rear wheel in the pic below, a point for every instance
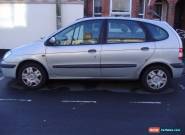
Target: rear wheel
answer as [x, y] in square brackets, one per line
[32, 75]
[156, 78]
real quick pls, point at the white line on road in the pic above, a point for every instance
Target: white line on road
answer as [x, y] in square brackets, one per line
[71, 101]
[143, 102]
[182, 86]
[1, 78]
[19, 100]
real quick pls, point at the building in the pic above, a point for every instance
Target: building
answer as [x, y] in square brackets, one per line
[24, 21]
[172, 11]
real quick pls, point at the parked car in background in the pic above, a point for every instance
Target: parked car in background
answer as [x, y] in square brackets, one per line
[101, 48]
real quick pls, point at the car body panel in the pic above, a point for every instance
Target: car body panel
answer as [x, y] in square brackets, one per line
[126, 54]
[74, 61]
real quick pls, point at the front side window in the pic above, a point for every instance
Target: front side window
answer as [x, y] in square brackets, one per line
[157, 32]
[122, 31]
[65, 37]
[87, 32]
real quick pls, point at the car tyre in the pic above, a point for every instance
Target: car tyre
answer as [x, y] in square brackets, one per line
[156, 79]
[32, 75]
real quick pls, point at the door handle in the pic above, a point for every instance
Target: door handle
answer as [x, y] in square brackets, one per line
[144, 48]
[92, 51]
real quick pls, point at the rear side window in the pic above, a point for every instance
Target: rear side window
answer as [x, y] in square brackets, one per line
[157, 33]
[124, 31]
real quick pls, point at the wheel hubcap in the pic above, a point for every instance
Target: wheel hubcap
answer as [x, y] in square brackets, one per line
[156, 79]
[31, 76]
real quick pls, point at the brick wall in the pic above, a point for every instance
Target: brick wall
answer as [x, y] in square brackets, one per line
[135, 8]
[106, 7]
[88, 8]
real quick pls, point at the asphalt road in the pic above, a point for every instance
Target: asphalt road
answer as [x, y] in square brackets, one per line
[90, 108]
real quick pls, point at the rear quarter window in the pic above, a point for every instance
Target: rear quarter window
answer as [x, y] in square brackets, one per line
[157, 33]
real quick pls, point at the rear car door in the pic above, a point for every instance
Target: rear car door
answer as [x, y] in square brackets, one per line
[76, 52]
[126, 48]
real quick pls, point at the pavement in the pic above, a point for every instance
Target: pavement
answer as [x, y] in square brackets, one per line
[90, 108]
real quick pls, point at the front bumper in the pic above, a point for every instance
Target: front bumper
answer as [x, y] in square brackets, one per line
[8, 69]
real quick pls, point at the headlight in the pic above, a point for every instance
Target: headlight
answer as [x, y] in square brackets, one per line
[7, 55]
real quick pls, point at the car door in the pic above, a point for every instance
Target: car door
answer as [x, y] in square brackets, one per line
[126, 49]
[76, 52]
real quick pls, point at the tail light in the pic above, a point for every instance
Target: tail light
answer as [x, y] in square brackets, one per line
[180, 53]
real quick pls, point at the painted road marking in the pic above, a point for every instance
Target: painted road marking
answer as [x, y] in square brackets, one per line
[1, 78]
[182, 86]
[19, 100]
[145, 102]
[78, 101]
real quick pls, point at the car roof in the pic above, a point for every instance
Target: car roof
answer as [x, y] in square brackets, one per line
[157, 22]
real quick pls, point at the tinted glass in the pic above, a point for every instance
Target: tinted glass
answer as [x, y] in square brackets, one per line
[122, 31]
[157, 32]
[65, 37]
[87, 32]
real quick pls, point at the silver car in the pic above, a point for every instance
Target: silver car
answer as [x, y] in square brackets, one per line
[101, 48]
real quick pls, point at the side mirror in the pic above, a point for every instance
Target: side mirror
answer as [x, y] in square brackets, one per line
[52, 40]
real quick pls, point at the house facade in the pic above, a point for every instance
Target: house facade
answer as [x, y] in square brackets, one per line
[24, 21]
[172, 11]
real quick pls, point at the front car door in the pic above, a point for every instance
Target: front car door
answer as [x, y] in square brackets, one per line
[76, 52]
[126, 49]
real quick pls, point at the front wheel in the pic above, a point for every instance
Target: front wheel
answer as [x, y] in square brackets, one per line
[156, 78]
[32, 75]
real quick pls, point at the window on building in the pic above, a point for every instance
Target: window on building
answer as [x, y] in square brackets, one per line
[142, 6]
[120, 7]
[97, 7]
[124, 32]
[158, 9]
[13, 15]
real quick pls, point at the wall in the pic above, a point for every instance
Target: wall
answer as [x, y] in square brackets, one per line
[70, 12]
[23, 23]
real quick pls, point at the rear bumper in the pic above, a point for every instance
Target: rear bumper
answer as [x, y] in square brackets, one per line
[177, 69]
[8, 69]
[177, 65]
